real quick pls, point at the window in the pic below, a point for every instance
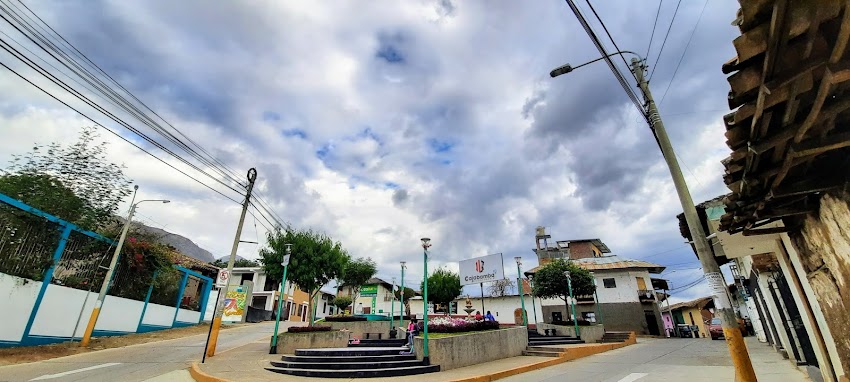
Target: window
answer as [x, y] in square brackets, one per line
[641, 283]
[609, 283]
[324, 307]
[246, 277]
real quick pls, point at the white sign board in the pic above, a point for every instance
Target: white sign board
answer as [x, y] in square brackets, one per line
[222, 278]
[482, 269]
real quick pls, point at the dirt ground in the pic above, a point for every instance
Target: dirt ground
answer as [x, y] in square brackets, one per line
[24, 354]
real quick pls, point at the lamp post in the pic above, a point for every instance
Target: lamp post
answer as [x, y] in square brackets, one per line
[533, 304]
[426, 243]
[520, 288]
[285, 263]
[737, 348]
[596, 297]
[107, 280]
[392, 306]
[573, 303]
[401, 292]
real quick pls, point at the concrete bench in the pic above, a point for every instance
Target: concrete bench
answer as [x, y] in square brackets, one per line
[370, 335]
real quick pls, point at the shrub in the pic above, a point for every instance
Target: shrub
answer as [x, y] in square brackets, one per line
[341, 302]
[308, 329]
[458, 325]
[344, 318]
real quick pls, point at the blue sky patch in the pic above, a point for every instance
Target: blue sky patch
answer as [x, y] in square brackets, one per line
[440, 146]
[270, 116]
[295, 133]
[390, 47]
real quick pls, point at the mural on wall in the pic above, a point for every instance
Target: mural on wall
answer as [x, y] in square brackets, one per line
[234, 304]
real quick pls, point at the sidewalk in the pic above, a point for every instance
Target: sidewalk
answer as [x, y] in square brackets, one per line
[248, 363]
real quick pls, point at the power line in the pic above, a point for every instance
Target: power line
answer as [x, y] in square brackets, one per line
[47, 46]
[654, 24]
[609, 34]
[620, 78]
[663, 43]
[113, 132]
[669, 84]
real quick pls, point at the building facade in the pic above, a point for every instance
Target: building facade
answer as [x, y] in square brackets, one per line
[265, 294]
[375, 297]
[626, 297]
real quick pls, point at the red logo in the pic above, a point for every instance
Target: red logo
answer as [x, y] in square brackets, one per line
[479, 266]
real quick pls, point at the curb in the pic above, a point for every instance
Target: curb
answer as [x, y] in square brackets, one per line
[564, 357]
[200, 376]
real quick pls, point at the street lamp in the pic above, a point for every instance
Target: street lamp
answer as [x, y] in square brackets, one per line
[737, 348]
[520, 288]
[285, 263]
[426, 243]
[564, 69]
[107, 280]
[596, 297]
[573, 302]
[392, 306]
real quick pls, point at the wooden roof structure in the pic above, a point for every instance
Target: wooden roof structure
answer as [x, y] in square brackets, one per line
[790, 134]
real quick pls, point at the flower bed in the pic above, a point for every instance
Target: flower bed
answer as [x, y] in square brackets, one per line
[457, 325]
[344, 318]
[307, 329]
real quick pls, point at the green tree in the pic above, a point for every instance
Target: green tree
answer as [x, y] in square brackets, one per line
[443, 286]
[44, 192]
[82, 168]
[239, 263]
[356, 273]
[316, 259]
[405, 299]
[550, 282]
[342, 302]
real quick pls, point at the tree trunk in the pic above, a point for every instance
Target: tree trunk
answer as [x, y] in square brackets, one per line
[310, 309]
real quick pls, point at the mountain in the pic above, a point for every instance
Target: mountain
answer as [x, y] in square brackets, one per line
[181, 243]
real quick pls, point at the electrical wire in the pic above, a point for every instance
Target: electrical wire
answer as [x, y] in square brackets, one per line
[669, 84]
[605, 28]
[663, 43]
[620, 78]
[654, 24]
[114, 133]
[48, 47]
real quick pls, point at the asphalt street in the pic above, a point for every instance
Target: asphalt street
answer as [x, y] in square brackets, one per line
[136, 362]
[681, 359]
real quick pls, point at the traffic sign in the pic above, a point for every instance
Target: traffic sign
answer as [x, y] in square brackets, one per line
[222, 279]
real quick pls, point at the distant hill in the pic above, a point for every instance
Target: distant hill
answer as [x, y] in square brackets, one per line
[181, 243]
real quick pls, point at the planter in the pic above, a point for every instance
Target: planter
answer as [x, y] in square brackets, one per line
[288, 342]
[590, 334]
[474, 348]
[359, 329]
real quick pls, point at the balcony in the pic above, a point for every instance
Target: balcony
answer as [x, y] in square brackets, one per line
[585, 299]
[646, 295]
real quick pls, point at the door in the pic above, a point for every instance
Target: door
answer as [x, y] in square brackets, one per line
[795, 320]
[641, 283]
[651, 322]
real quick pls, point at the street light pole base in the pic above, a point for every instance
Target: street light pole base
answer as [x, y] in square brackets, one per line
[273, 350]
[426, 361]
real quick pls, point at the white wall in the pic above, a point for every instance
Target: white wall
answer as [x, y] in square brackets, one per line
[117, 314]
[185, 315]
[16, 302]
[159, 315]
[627, 286]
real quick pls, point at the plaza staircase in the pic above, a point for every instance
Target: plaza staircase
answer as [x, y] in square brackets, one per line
[612, 337]
[368, 359]
[540, 345]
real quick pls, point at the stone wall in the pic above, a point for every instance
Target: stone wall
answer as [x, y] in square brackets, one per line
[474, 348]
[823, 243]
[589, 334]
[288, 342]
[358, 329]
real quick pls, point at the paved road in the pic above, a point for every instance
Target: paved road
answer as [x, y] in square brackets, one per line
[651, 360]
[133, 363]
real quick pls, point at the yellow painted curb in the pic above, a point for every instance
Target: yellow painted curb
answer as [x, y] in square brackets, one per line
[569, 355]
[200, 376]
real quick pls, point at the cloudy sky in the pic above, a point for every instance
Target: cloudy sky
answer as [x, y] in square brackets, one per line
[381, 122]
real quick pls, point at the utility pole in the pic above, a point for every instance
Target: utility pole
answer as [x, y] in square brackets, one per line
[737, 349]
[219, 309]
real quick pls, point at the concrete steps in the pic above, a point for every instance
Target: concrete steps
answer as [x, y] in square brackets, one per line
[352, 362]
[380, 343]
[613, 337]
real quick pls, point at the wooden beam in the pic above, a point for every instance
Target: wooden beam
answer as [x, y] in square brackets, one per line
[842, 38]
[814, 110]
[776, 96]
[787, 133]
[807, 186]
[816, 146]
[764, 231]
[782, 212]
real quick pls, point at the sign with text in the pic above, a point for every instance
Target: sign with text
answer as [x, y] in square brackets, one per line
[221, 280]
[369, 290]
[482, 269]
